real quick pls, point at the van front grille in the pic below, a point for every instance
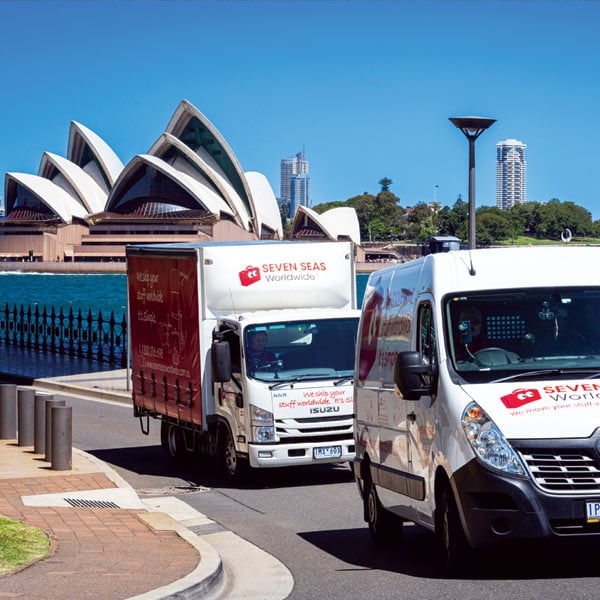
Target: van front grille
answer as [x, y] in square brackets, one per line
[560, 470]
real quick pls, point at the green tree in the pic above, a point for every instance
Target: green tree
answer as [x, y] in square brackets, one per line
[385, 184]
[492, 225]
[325, 206]
[420, 223]
[454, 221]
[556, 216]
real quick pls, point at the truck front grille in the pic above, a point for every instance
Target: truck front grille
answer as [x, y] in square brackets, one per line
[564, 470]
[320, 429]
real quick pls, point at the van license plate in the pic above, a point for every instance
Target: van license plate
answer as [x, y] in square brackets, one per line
[327, 452]
[593, 511]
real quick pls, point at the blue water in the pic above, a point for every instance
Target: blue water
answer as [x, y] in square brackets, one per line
[98, 292]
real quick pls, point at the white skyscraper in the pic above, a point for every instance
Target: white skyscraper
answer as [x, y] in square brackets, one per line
[294, 187]
[511, 173]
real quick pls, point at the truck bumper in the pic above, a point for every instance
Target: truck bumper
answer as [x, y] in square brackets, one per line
[283, 455]
[498, 510]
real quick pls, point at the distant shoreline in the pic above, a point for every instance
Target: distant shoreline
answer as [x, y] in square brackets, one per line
[63, 267]
[113, 267]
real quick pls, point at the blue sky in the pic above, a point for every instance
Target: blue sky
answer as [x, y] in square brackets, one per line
[366, 88]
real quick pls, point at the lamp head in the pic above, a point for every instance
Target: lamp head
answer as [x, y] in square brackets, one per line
[472, 127]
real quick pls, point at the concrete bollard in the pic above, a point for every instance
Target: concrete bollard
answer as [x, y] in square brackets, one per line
[8, 411]
[62, 438]
[39, 420]
[48, 441]
[25, 405]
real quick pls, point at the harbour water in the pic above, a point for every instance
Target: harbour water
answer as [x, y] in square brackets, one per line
[95, 292]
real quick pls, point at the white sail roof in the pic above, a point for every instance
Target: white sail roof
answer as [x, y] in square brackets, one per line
[74, 180]
[202, 193]
[48, 193]
[106, 167]
[204, 168]
[265, 202]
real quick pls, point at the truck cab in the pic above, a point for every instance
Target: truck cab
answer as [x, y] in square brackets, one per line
[285, 386]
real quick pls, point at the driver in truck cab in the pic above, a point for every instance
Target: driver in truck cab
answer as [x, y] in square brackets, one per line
[258, 355]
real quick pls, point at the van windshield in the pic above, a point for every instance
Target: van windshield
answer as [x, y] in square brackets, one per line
[516, 332]
[298, 350]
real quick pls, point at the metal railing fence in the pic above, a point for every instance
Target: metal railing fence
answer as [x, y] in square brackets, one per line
[45, 330]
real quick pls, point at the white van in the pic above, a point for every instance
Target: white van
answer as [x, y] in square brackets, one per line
[477, 397]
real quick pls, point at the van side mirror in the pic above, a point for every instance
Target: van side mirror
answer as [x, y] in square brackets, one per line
[412, 375]
[221, 362]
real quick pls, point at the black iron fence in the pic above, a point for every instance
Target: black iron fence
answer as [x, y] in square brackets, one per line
[93, 338]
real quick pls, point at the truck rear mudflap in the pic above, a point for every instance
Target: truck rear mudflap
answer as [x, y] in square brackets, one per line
[283, 455]
[499, 510]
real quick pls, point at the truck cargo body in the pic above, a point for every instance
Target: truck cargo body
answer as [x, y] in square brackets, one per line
[197, 313]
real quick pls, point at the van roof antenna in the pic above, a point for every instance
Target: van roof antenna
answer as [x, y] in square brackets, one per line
[470, 266]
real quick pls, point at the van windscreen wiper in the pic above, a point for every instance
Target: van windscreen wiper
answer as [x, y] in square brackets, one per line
[591, 373]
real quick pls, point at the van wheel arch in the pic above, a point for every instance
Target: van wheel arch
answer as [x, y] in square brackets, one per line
[452, 541]
[385, 527]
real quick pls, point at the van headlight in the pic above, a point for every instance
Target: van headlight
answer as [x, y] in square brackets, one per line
[263, 429]
[489, 444]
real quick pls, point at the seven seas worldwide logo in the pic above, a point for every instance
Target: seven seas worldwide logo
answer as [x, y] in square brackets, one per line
[249, 276]
[576, 392]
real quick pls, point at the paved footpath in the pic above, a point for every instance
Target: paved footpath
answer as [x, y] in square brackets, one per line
[108, 544]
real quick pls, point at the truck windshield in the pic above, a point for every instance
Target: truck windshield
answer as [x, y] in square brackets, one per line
[524, 333]
[296, 350]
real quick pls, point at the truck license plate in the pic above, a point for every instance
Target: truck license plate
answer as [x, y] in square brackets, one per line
[327, 452]
[593, 511]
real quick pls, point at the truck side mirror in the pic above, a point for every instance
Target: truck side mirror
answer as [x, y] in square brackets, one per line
[221, 362]
[411, 375]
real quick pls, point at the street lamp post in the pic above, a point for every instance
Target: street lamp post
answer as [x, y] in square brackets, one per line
[472, 127]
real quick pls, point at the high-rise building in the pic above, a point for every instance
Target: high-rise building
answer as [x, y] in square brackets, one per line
[511, 173]
[295, 183]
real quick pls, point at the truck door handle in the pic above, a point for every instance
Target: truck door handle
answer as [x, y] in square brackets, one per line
[411, 417]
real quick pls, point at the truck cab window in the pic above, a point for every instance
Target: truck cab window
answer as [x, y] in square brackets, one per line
[233, 339]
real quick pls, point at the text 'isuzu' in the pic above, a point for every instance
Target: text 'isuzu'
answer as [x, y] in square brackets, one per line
[245, 351]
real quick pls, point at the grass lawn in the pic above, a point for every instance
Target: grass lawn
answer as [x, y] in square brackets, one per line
[531, 241]
[19, 544]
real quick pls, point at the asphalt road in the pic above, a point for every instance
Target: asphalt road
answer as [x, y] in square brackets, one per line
[311, 520]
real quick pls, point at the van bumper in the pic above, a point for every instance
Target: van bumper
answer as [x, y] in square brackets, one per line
[283, 455]
[497, 510]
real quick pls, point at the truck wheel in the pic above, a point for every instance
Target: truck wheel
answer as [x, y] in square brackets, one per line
[454, 542]
[171, 439]
[384, 527]
[235, 467]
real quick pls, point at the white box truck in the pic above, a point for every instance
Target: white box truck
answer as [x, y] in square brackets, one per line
[245, 351]
[477, 398]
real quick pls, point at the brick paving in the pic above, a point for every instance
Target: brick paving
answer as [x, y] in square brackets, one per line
[95, 553]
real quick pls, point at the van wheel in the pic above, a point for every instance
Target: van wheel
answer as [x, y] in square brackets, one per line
[457, 551]
[384, 526]
[234, 466]
[171, 439]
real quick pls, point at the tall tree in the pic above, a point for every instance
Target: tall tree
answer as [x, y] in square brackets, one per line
[385, 184]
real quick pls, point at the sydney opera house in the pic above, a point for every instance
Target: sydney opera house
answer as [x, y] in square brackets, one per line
[189, 186]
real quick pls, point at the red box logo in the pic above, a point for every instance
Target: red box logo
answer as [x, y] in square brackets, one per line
[520, 397]
[249, 276]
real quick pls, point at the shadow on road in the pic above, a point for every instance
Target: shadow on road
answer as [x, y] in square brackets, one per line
[153, 460]
[417, 554]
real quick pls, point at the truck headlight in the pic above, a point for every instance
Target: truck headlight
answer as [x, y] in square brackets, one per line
[489, 444]
[263, 429]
